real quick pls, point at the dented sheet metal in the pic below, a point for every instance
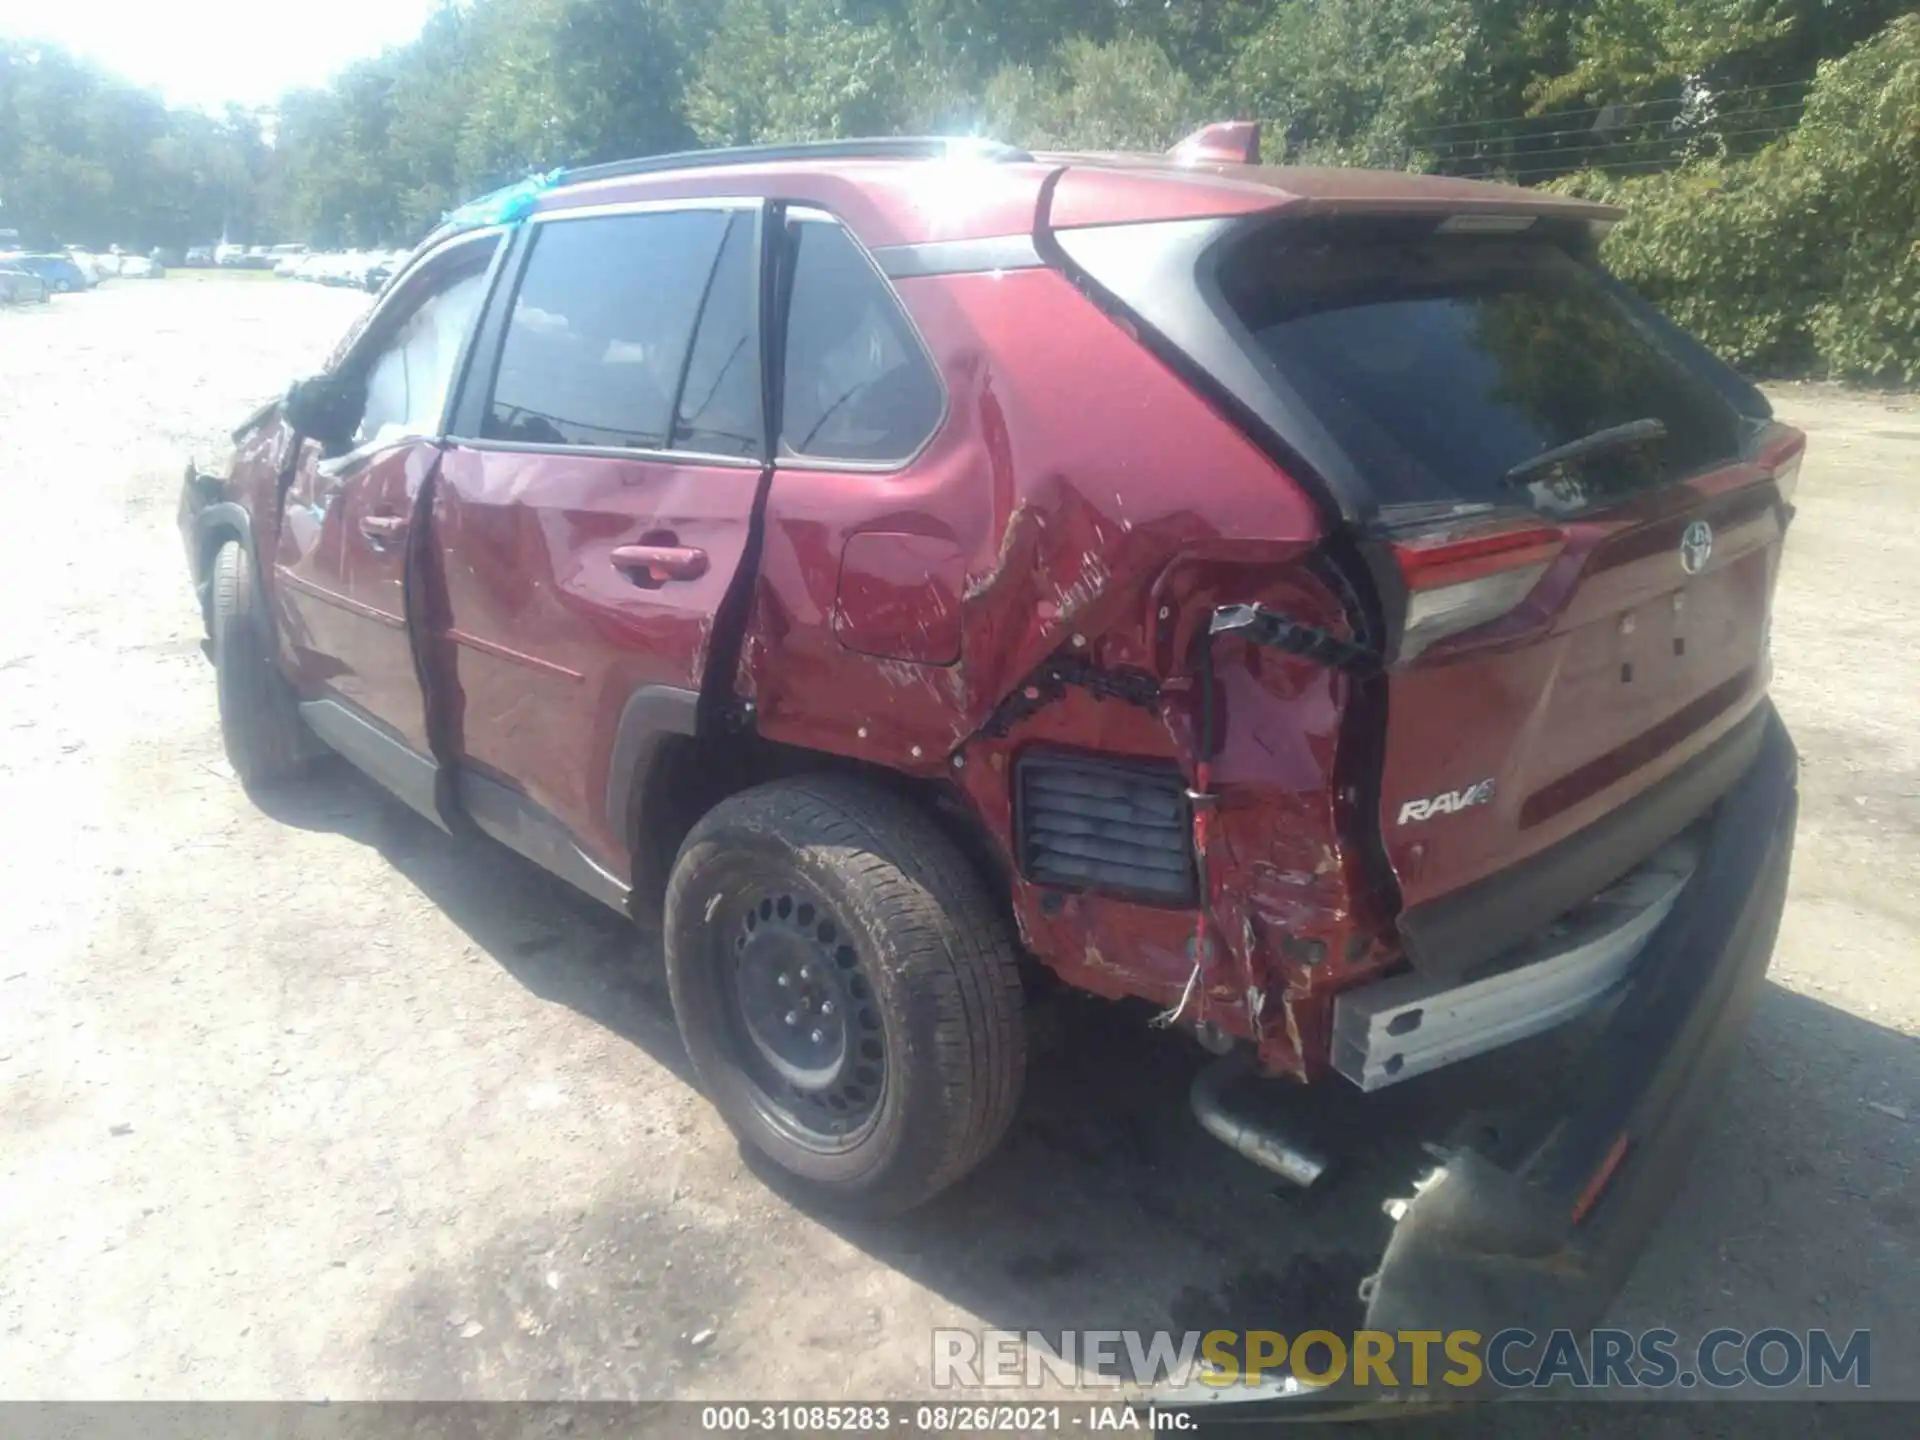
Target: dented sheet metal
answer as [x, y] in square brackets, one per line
[1097, 529]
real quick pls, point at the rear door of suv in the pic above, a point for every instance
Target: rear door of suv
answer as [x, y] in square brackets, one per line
[1585, 529]
[1574, 515]
[594, 508]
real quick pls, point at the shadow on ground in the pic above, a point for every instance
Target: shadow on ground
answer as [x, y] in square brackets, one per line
[564, 947]
[1107, 1208]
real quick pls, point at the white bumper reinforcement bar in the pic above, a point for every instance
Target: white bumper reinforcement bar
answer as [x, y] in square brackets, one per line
[1408, 1025]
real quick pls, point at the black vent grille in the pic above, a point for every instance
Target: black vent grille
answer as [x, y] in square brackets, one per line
[1120, 827]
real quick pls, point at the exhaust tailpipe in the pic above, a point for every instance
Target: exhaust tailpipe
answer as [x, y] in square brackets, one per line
[1292, 1160]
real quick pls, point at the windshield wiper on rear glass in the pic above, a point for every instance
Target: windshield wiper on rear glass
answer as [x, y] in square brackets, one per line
[1634, 432]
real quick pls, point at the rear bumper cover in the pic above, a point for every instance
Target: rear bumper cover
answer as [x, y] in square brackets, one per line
[1539, 1228]
[1493, 1242]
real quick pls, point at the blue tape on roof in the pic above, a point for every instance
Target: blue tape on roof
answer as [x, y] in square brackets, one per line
[504, 206]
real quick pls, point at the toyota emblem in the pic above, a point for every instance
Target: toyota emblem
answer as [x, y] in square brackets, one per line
[1695, 546]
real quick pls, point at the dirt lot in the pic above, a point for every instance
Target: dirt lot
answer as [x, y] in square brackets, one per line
[316, 1102]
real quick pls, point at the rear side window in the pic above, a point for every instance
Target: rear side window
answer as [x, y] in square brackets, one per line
[719, 407]
[1445, 366]
[602, 327]
[856, 384]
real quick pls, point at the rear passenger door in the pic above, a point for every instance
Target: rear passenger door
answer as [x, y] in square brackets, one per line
[593, 510]
[855, 561]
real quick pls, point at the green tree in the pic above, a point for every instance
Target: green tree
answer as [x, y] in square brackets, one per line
[799, 70]
[1807, 255]
[1401, 82]
[87, 159]
[570, 82]
[1632, 49]
[1125, 94]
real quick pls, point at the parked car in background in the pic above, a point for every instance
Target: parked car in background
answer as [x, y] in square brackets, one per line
[140, 267]
[227, 255]
[20, 287]
[350, 268]
[384, 267]
[93, 266]
[343, 270]
[62, 275]
[199, 256]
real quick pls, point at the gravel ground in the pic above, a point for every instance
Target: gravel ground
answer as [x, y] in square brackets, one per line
[312, 1101]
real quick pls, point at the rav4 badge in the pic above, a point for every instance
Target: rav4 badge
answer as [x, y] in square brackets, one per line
[1447, 802]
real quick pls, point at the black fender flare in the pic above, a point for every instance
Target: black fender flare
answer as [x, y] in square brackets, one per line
[652, 714]
[221, 518]
[221, 515]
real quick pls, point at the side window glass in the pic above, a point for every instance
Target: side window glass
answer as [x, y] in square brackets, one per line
[719, 408]
[408, 381]
[600, 330]
[856, 384]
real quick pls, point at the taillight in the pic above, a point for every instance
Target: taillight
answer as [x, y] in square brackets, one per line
[1459, 579]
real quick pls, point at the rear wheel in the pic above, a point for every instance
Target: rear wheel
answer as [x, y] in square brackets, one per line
[259, 721]
[847, 990]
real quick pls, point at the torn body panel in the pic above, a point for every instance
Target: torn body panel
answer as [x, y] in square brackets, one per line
[1098, 529]
[1064, 504]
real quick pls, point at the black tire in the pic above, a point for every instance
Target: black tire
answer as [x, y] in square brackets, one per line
[259, 722]
[909, 940]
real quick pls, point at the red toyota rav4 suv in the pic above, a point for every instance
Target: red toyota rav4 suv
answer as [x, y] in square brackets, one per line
[1322, 604]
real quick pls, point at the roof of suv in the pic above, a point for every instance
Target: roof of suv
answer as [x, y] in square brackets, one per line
[910, 191]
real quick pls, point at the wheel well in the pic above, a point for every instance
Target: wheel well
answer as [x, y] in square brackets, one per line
[688, 775]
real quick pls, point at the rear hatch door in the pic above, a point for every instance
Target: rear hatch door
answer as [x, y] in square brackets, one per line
[1576, 520]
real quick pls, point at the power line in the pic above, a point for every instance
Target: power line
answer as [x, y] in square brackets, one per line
[1672, 161]
[1707, 118]
[1529, 136]
[1676, 100]
[1560, 157]
[1532, 176]
[1668, 163]
[1711, 95]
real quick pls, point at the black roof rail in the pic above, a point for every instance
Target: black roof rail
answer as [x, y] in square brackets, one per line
[905, 147]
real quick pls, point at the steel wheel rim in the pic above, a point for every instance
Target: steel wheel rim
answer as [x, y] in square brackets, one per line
[805, 1019]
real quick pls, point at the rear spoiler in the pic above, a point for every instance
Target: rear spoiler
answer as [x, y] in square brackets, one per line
[1361, 191]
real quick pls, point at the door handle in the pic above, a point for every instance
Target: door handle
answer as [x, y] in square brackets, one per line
[381, 528]
[657, 564]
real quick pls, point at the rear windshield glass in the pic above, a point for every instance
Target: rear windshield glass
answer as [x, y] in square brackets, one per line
[1447, 367]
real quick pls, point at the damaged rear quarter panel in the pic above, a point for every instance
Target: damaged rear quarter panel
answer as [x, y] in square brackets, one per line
[1083, 489]
[1071, 469]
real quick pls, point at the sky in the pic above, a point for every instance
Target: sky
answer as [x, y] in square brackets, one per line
[207, 52]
